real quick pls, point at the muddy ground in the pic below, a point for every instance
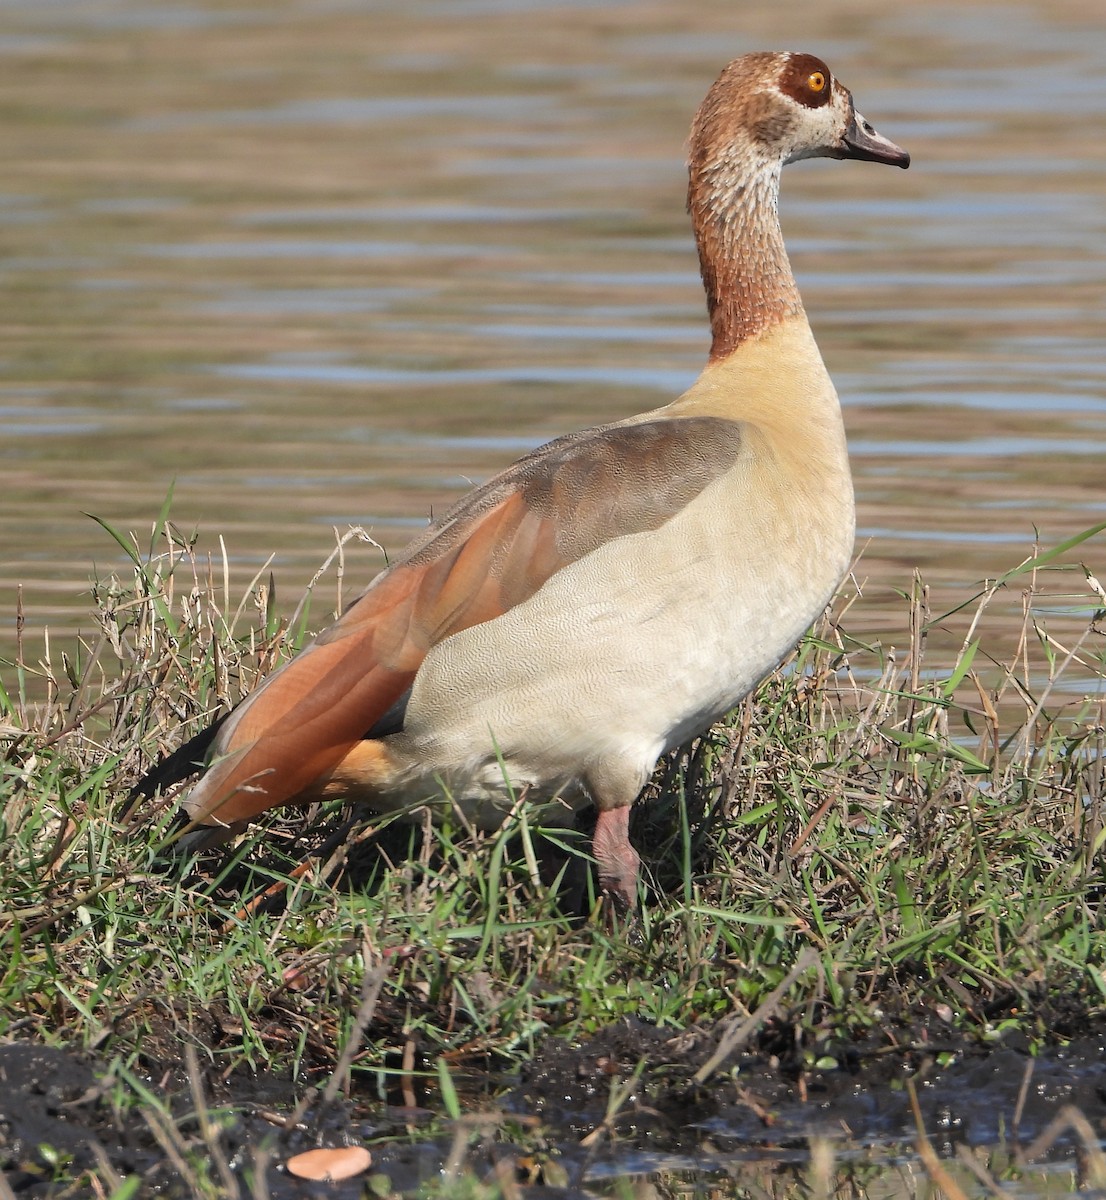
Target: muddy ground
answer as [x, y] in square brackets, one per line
[547, 1127]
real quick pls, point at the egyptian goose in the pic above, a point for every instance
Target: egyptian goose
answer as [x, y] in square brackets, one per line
[613, 592]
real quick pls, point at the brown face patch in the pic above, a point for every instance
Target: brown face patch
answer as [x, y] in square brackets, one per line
[807, 80]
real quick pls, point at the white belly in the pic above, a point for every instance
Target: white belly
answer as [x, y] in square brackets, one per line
[624, 654]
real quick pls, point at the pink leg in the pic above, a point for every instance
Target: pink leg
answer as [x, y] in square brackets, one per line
[617, 859]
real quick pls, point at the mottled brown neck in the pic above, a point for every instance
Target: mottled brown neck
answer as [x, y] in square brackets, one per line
[733, 202]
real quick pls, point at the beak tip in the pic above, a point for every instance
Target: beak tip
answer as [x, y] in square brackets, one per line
[861, 141]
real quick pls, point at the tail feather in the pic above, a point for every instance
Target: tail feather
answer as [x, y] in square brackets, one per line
[305, 717]
[181, 764]
[293, 730]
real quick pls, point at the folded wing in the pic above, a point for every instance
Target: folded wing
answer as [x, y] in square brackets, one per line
[492, 551]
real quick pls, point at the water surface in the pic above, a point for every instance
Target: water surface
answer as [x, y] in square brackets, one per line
[328, 264]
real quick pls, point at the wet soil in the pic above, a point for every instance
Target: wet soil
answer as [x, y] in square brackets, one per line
[553, 1126]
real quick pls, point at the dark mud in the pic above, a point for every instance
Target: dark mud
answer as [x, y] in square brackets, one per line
[578, 1113]
[967, 1093]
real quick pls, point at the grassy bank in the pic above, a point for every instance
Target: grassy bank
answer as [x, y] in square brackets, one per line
[902, 842]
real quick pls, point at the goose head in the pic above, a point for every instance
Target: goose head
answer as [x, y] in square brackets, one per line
[763, 111]
[769, 109]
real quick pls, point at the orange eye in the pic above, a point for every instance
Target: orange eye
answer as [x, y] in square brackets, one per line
[816, 82]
